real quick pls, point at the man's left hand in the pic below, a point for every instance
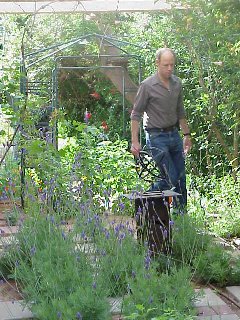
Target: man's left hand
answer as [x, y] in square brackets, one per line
[187, 144]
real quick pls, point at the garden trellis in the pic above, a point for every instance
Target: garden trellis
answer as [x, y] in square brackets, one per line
[111, 61]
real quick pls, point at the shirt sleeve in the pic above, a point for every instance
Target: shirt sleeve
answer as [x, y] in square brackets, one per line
[140, 103]
[181, 113]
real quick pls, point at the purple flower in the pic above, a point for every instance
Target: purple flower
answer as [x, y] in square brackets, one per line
[52, 219]
[32, 251]
[94, 285]
[133, 274]
[151, 300]
[83, 235]
[147, 261]
[59, 315]
[165, 234]
[130, 231]
[171, 223]
[103, 253]
[138, 213]
[96, 217]
[78, 315]
[117, 229]
[107, 234]
[121, 206]
[121, 236]
[63, 235]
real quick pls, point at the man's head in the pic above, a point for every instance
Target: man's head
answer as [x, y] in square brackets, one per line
[165, 61]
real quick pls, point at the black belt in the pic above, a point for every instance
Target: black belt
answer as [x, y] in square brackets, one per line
[167, 129]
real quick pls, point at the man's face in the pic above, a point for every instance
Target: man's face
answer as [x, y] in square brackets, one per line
[166, 65]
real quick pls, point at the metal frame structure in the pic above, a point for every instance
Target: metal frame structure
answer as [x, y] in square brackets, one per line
[32, 60]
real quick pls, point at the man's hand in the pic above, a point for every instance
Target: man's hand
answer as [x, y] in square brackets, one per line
[187, 144]
[135, 149]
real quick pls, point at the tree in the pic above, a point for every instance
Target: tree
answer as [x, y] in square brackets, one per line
[209, 31]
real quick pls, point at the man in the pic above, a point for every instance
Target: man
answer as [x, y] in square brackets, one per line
[159, 100]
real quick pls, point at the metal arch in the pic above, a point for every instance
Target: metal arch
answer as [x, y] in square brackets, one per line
[95, 67]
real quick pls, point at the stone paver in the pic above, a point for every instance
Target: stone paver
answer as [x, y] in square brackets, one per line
[9, 291]
[211, 307]
[225, 309]
[7, 231]
[235, 291]
[14, 311]
[206, 311]
[116, 305]
[209, 298]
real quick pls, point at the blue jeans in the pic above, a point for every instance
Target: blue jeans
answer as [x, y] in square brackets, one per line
[167, 152]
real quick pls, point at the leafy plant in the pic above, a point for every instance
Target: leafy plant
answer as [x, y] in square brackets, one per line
[216, 265]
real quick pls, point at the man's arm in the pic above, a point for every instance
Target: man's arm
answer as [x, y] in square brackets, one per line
[187, 142]
[135, 147]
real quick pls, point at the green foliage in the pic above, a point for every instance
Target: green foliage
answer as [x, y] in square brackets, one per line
[218, 266]
[53, 276]
[189, 240]
[9, 178]
[158, 293]
[210, 261]
[69, 273]
[168, 314]
[103, 166]
[215, 202]
[209, 56]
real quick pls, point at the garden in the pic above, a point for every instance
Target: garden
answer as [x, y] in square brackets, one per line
[66, 167]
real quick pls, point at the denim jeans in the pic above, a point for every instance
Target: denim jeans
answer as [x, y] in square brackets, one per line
[167, 152]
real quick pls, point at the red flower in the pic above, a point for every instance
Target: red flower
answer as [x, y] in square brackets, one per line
[95, 95]
[104, 126]
[88, 115]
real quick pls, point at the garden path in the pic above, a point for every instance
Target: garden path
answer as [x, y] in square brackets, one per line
[209, 306]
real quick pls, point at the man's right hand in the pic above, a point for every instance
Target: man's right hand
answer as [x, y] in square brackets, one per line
[135, 149]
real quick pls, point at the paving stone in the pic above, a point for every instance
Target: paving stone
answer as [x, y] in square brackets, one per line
[234, 291]
[7, 231]
[205, 311]
[117, 317]
[9, 291]
[14, 311]
[223, 310]
[209, 298]
[116, 305]
[5, 242]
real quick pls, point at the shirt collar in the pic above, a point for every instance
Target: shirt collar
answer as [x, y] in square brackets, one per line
[156, 80]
